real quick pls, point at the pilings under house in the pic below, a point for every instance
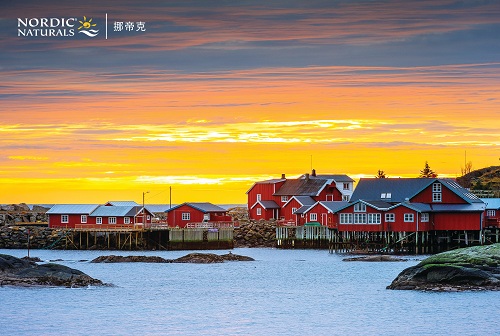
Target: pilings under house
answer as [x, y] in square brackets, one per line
[154, 237]
[428, 242]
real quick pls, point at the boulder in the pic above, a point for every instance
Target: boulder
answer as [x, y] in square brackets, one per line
[19, 272]
[120, 259]
[195, 258]
[473, 268]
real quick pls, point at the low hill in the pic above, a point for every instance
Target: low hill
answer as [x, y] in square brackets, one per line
[482, 179]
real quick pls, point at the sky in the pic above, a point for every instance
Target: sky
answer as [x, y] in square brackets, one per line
[207, 97]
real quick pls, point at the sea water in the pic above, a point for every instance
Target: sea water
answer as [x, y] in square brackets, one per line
[283, 292]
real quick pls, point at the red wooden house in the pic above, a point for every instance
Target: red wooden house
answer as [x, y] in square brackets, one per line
[289, 210]
[270, 199]
[324, 213]
[419, 204]
[492, 215]
[69, 215]
[189, 213]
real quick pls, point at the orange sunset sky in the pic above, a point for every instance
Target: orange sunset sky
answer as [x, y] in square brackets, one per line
[215, 95]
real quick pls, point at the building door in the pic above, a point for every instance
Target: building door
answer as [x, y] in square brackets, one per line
[323, 219]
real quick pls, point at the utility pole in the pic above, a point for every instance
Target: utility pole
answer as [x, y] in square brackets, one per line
[143, 210]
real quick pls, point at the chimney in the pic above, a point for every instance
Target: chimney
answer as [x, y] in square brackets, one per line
[307, 176]
[313, 173]
[283, 176]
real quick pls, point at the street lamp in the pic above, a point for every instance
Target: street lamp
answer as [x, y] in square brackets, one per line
[143, 210]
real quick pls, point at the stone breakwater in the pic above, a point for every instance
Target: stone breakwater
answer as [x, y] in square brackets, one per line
[16, 237]
[255, 234]
[21, 213]
[248, 234]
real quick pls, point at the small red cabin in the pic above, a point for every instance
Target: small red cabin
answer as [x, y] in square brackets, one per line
[186, 214]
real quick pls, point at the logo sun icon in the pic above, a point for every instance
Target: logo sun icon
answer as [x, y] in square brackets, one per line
[86, 24]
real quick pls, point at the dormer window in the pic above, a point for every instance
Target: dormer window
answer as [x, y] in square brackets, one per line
[360, 207]
[385, 195]
[436, 187]
[347, 186]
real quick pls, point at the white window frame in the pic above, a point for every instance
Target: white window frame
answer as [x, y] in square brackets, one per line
[313, 217]
[374, 218]
[346, 218]
[437, 197]
[259, 211]
[329, 198]
[359, 218]
[111, 220]
[259, 197]
[347, 186]
[436, 187]
[126, 220]
[345, 198]
[186, 216]
[98, 220]
[491, 213]
[83, 219]
[409, 218]
[360, 207]
[424, 217]
[284, 199]
[390, 217]
[293, 210]
[65, 219]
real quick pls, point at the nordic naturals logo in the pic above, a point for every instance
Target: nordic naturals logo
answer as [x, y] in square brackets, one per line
[86, 27]
[54, 27]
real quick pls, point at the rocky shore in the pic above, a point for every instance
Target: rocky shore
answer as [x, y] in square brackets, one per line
[12, 214]
[472, 268]
[255, 234]
[195, 258]
[25, 273]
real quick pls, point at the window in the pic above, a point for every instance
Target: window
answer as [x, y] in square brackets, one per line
[345, 218]
[360, 207]
[329, 198]
[374, 218]
[259, 197]
[409, 218]
[126, 220]
[345, 198]
[98, 220]
[313, 217]
[293, 210]
[64, 219]
[284, 199]
[148, 217]
[359, 218]
[436, 187]
[390, 217]
[83, 219]
[436, 197]
[111, 220]
[424, 217]
[259, 211]
[386, 195]
[347, 186]
[187, 216]
[490, 213]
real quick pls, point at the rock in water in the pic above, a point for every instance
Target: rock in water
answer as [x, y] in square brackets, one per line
[473, 268]
[210, 258]
[18, 272]
[121, 259]
[375, 258]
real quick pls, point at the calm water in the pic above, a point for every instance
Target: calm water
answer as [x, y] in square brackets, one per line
[303, 292]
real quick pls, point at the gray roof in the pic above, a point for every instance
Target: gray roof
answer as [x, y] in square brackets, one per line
[202, 206]
[419, 207]
[302, 187]
[269, 204]
[304, 200]
[378, 204]
[335, 206]
[117, 211]
[271, 181]
[402, 188]
[335, 177]
[70, 209]
[458, 207]
[492, 203]
[122, 203]
[303, 209]
[159, 207]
